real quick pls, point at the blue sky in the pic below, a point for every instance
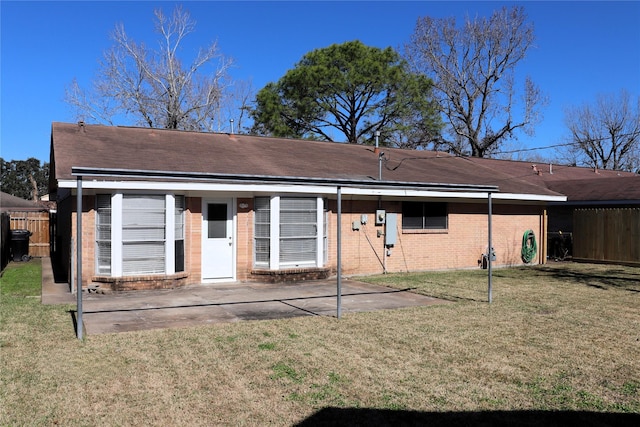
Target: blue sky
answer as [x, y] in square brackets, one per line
[582, 49]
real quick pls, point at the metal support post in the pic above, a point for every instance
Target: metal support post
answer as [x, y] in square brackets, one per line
[489, 250]
[79, 332]
[339, 255]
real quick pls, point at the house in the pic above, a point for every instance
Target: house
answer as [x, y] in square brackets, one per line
[11, 203]
[615, 194]
[604, 218]
[582, 186]
[164, 208]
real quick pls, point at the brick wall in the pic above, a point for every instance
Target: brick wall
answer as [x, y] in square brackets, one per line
[244, 239]
[193, 240]
[460, 246]
[363, 252]
[88, 238]
[138, 283]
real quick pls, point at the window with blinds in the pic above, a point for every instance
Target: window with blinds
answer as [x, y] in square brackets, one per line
[287, 232]
[298, 231]
[103, 234]
[143, 234]
[262, 231]
[179, 233]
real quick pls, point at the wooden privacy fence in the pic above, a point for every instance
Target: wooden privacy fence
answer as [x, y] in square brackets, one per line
[38, 224]
[608, 235]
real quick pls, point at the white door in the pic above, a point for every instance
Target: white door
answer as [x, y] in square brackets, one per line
[217, 240]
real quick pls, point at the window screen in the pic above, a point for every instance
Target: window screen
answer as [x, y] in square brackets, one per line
[262, 230]
[179, 233]
[298, 231]
[143, 234]
[424, 216]
[103, 234]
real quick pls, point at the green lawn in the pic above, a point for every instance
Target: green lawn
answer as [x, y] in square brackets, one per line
[559, 344]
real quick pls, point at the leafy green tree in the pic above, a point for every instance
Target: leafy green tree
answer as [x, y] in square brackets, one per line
[20, 176]
[347, 92]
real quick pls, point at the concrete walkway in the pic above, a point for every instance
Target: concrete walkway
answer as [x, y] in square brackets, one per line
[230, 302]
[52, 292]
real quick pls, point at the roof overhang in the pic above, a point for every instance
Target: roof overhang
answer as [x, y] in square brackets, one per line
[153, 180]
[578, 203]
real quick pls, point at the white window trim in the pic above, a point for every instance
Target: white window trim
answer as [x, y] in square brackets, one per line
[116, 234]
[170, 234]
[319, 231]
[256, 263]
[100, 223]
[274, 236]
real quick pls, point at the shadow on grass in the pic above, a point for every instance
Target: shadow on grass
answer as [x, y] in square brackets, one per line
[451, 297]
[74, 320]
[610, 278]
[382, 417]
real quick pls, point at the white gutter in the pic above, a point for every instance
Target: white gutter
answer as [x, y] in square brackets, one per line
[298, 189]
[152, 180]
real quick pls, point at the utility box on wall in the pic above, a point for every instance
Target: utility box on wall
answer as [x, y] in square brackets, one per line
[390, 235]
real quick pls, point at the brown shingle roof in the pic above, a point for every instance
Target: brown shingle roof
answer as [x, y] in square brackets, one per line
[577, 183]
[621, 189]
[96, 146]
[10, 202]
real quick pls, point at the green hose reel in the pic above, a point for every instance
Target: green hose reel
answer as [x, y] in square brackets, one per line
[529, 246]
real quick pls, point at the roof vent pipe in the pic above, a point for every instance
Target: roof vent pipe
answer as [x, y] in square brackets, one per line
[231, 123]
[377, 149]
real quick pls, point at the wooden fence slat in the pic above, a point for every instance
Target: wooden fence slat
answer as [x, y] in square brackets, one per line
[607, 234]
[38, 224]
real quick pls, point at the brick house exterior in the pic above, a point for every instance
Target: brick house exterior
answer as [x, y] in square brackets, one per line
[164, 208]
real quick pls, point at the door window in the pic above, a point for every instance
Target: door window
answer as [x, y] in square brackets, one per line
[217, 220]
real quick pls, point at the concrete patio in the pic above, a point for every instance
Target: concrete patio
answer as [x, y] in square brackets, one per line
[229, 302]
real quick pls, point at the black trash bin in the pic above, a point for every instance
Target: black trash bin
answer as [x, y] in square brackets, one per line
[20, 245]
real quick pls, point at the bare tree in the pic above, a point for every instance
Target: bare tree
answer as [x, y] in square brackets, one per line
[606, 134]
[472, 67]
[151, 85]
[235, 109]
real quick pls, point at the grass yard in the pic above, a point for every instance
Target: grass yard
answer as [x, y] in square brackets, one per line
[559, 345]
